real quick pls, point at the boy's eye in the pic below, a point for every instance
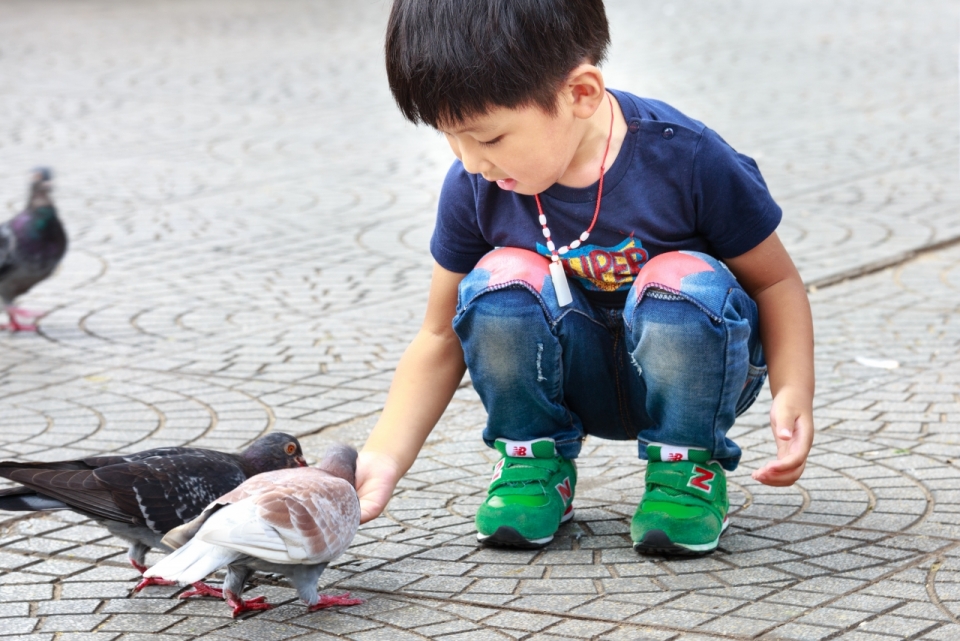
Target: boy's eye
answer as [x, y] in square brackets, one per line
[490, 143]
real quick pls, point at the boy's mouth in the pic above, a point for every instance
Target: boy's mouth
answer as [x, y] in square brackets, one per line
[507, 184]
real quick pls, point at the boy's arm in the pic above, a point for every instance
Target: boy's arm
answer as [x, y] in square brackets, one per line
[786, 331]
[427, 376]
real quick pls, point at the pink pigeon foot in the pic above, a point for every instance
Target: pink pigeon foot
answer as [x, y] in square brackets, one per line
[26, 313]
[152, 581]
[202, 589]
[16, 314]
[240, 606]
[330, 601]
[141, 568]
[15, 326]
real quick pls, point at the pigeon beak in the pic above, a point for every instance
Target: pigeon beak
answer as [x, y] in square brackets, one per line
[302, 462]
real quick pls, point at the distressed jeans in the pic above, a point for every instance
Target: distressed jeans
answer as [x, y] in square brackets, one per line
[676, 365]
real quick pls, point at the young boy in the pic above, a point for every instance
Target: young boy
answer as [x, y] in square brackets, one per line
[605, 265]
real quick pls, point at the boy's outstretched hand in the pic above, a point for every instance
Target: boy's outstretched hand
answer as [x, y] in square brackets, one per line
[791, 419]
[377, 476]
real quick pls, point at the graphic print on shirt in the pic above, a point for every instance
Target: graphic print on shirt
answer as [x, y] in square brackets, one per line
[603, 269]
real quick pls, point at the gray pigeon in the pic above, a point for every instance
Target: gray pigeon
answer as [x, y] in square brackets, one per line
[288, 522]
[31, 246]
[140, 497]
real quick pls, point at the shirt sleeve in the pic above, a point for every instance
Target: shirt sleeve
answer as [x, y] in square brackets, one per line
[457, 243]
[734, 209]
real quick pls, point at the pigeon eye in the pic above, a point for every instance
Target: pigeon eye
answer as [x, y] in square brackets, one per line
[291, 448]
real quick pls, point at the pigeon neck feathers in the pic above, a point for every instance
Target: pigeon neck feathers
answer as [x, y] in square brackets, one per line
[341, 461]
[40, 188]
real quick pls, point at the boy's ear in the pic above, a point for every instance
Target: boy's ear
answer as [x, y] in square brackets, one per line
[584, 90]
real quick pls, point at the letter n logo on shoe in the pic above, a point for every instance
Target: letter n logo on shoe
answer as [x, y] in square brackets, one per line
[497, 470]
[702, 479]
[564, 489]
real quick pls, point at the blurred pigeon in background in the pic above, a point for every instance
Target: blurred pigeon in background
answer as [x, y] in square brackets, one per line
[140, 497]
[289, 522]
[31, 246]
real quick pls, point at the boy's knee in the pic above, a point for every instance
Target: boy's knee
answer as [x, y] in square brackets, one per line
[506, 266]
[500, 300]
[686, 275]
[667, 271]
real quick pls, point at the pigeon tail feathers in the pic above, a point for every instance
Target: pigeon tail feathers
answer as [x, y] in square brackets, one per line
[23, 499]
[198, 558]
[192, 563]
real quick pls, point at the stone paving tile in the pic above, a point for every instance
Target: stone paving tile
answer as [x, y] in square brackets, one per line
[238, 140]
[73, 622]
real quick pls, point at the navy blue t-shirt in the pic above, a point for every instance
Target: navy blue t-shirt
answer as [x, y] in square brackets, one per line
[675, 184]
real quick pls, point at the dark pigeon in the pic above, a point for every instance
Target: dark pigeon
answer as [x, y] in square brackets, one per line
[289, 522]
[140, 497]
[31, 246]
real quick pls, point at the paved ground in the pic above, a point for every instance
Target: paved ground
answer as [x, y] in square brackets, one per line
[249, 218]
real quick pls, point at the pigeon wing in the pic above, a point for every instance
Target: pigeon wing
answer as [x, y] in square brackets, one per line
[236, 527]
[168, 491]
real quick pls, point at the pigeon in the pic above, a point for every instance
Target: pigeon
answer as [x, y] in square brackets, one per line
[31, 246]
[140, 497]
[288, 522]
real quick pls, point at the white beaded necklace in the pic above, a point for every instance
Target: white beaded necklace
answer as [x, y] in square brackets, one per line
[560, 284]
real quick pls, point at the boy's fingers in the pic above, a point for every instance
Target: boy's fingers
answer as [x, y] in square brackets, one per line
[793, 435]
[370, 508]
[778, 480]
[788, 463]
[787, 468]
[783, 471]
[368, 512]
[784, 424]
[781, 429]
[778, 474]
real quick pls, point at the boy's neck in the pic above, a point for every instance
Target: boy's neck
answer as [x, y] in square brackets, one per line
[584, 168]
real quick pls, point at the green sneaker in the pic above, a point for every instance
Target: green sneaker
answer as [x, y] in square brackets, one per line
[684, 509]
[530, 495]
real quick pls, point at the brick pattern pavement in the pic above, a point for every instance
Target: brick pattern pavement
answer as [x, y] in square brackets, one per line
[249, 218]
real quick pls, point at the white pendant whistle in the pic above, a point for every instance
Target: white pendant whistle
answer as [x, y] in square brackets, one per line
[560, 284]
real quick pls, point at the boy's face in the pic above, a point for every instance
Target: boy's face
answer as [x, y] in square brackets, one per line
[522, 149]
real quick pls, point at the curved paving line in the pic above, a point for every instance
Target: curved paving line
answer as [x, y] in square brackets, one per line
[104, 265]
[879, 265]
[46, 417]
[931, 583]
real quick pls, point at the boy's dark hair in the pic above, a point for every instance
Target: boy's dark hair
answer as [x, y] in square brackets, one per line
[452, 60]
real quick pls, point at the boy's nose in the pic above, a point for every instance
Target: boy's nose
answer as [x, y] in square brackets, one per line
[473, 161]
[475, 164]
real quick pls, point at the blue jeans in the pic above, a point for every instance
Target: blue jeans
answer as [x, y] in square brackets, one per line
[676, 365]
